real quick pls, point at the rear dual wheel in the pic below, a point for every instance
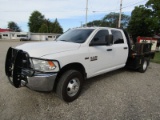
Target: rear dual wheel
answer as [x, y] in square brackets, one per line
[144, 65]
[69, 85]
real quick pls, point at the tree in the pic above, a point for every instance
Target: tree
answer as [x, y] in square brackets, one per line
[56, 27]
[155, 8]
[145, 20]
[14, 27]
[155, 5]
[141, 22]
[48, 25]
[95, 23]
[43, 29]
[35, 21]
[38, 23]
[111, 20]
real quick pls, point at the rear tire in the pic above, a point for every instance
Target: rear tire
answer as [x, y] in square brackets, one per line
[144, 65]
[69, 85]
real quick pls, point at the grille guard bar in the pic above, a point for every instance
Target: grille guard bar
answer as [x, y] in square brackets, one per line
[16, 62]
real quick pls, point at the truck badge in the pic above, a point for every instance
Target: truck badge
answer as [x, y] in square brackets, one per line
[93, 58]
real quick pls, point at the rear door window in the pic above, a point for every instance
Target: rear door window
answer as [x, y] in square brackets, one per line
[117, 37]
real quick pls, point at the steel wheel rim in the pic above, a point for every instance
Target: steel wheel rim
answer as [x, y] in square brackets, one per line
[73, 87]
[144, 65]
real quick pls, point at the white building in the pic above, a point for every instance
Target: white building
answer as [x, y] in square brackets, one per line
[13, 35]
[43, 36]
[28, 35]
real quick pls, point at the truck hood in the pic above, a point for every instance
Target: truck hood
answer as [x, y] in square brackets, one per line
[39, 49]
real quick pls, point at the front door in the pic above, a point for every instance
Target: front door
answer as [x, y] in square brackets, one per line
[101, 55]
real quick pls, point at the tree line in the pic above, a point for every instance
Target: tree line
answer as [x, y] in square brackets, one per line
[38, 24]
[144, 21]
[111, 20]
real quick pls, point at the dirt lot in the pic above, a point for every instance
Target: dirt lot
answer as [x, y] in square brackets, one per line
[118, 95]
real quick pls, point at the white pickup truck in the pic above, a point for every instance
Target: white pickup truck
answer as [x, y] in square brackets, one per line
[78, 54]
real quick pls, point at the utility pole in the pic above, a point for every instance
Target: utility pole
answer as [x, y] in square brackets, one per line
[81, 23]
[120, 15]
[86, 11]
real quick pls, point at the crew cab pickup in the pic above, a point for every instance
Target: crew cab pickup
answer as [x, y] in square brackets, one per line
[78, 54]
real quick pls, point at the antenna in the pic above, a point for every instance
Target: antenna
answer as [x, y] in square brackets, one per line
[120, 15]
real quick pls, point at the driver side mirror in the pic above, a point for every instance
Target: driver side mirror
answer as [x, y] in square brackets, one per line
[109, 39]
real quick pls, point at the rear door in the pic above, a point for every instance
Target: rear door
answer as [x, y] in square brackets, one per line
[105, 58]
[120, 48]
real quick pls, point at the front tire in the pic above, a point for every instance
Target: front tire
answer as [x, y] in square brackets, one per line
[69, 85]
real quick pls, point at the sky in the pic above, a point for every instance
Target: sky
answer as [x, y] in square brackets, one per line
[70, 13]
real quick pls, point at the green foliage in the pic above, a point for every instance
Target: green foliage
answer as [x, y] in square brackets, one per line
[38, 23]
[35, 21]
[14, 27]
[156, 58]
[154, 5]
[141, 22]
[95, 23]
[56, 27]
[145, 20]
[111, 20]
[43, 29]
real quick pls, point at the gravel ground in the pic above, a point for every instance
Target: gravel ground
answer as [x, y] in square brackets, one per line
[118, 95]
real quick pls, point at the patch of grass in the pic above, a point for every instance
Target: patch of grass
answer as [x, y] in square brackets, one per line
[156, 58]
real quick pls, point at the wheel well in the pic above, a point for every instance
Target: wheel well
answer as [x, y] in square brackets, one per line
[76, 66]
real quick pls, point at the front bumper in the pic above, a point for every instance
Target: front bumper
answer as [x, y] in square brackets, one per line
[40, 82]
[20, 73]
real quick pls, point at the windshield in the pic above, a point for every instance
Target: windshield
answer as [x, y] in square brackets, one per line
[76, 35]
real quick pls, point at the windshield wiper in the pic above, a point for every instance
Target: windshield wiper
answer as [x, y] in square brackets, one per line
[64, 40]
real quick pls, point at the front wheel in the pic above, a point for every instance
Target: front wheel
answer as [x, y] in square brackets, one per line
[69, 85]
[144, 65]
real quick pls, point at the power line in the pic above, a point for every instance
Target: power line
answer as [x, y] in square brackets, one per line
[122, 7]
[134, 4]
[77, 10]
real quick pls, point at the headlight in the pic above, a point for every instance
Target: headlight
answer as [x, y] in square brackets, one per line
[45, 65]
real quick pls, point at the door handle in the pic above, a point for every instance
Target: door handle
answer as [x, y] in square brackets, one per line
[109, 49]
[125, 48]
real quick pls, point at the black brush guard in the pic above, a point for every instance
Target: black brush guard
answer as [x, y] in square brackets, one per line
[17, 66]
